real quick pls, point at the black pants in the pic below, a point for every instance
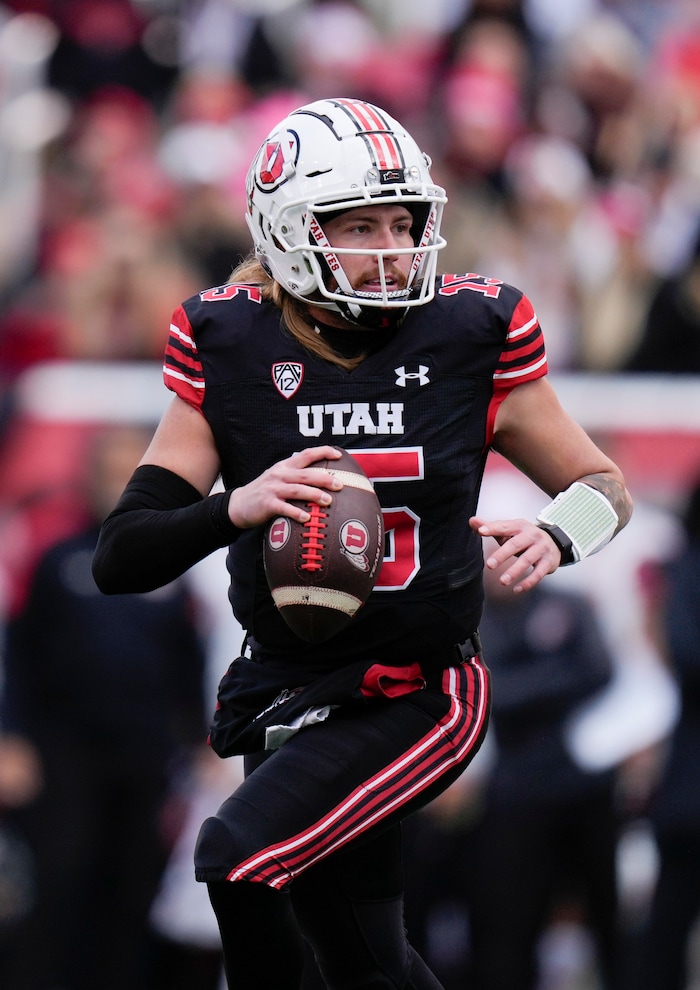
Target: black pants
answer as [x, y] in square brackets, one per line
[320, 817]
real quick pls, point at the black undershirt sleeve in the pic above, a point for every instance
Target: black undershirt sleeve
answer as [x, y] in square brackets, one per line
[159, 528]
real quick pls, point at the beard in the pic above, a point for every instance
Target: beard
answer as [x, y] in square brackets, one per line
[395, 279]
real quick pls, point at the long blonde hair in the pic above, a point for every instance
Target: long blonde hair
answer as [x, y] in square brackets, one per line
[295, 316]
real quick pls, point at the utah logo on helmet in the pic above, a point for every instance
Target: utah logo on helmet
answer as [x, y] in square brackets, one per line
[273, 157]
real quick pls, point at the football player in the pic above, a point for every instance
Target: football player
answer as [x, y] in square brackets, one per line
[338, 331]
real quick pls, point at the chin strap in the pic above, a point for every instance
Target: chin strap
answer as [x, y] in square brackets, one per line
[580, 520]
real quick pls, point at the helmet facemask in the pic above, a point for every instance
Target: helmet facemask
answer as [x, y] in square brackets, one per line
[385, 306]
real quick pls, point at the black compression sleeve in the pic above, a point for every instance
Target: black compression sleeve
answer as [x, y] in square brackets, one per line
[159, 528]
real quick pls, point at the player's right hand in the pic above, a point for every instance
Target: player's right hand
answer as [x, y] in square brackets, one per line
[272, 493]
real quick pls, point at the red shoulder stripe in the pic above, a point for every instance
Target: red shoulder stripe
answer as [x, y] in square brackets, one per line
[182, 368]
[523, 359]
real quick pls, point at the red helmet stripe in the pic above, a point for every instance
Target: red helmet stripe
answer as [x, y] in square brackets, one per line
[386, 149]
[375, 130]
[365, 115]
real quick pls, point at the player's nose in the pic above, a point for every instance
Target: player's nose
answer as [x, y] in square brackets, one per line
[387, 241]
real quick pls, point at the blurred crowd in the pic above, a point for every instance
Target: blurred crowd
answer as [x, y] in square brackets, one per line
[567, 135]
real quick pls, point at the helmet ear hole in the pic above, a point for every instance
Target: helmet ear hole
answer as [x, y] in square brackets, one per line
[262, 258]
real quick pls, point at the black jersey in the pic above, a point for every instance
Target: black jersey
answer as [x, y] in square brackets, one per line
[418, 414]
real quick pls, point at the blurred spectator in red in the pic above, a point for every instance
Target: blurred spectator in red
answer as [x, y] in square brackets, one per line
[675, 67]
[108, 262]
[484, 93]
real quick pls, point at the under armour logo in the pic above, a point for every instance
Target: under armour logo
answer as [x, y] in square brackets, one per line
[421, 376]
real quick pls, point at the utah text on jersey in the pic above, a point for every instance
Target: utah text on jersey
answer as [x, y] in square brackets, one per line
[351, 418]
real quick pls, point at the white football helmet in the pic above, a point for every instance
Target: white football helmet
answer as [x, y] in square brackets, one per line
[330, 156]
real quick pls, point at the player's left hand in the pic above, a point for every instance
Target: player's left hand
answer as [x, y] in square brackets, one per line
[528, 552]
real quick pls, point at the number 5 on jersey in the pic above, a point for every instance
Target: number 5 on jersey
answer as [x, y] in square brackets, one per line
[401, 525]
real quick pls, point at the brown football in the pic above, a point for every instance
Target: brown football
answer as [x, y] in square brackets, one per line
[321, 572]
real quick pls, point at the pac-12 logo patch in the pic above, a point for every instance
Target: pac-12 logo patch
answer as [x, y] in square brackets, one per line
[287, 376]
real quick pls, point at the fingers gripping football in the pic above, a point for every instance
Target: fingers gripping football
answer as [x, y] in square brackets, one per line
[284, 488]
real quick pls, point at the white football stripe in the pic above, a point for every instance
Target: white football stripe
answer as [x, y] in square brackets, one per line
[348, 478]
[327, 597]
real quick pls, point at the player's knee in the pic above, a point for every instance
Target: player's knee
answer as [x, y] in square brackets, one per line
[215, 852]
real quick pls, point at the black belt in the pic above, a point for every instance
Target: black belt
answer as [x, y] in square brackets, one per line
[470, 647]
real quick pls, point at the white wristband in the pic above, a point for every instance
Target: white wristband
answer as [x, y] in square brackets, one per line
[584, 515]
